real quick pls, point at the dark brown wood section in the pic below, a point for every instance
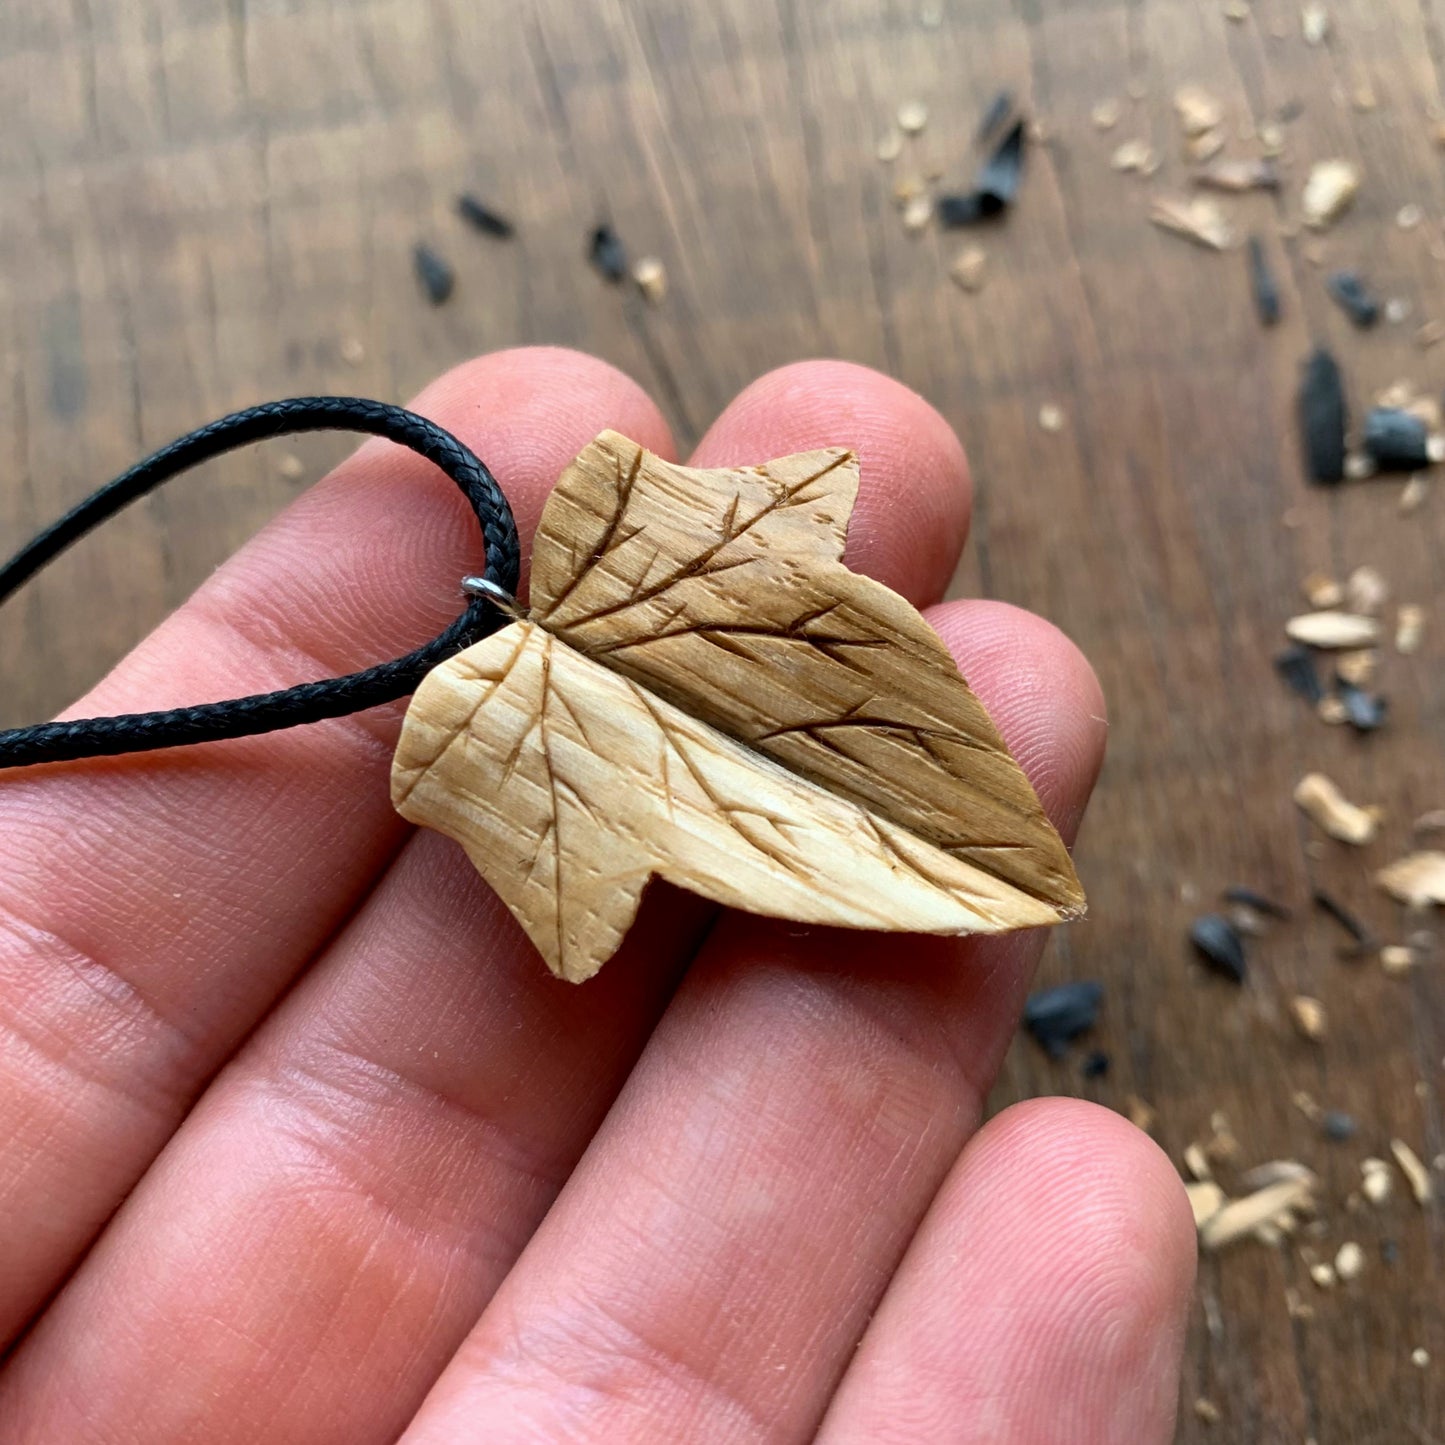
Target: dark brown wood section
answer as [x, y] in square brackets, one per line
[206, 205]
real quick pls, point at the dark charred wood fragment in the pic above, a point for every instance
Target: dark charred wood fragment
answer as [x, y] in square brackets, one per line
[1353, 297]
[1057, 1016]
[1396, 441]
[1218, 942]
[436, 276]
[1262, 283]
[482, 217]
[607, 253]
[1323, 418]
[1296, 665]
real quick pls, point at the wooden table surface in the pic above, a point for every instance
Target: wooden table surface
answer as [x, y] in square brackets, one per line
[204, 206]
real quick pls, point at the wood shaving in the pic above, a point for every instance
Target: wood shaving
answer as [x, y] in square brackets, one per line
[1323, 802]
[1271, 139]
[1332, 710]
[1238, 175]
[1414, 493]
[1323, 1275]
[890, 145]
[1418, 879]
[1206, 1199]
[1421, 1185]
[352, 352]
[1365, 591]
[969, 267]
[1222, 1146]
[1308, 1016]
[1322, 591]
[1409, 216]
[290, 466]
[1359, 465]
[1315, 24]
[912, 117]
[1376, 1181]
[1409, 628]
[1051, 417]
[1142, 1114]
[1240, 1218]
[1206, 1411]
[1397, 958]
[1333, 630]
[1236, 10]
[650, 276]
[1275, 1171]
[1201, 148]
[1137, 156]
[1198, 111]
[917, 213]
[1349, 1260]
[1397, 310]
[1358, 667]
[1105, 115]
[1196, 217]
[1329, 192]
[908, 188]
[1420, 1358]
[1196, 1162]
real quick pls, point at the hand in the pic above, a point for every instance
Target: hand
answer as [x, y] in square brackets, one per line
[293, 1120]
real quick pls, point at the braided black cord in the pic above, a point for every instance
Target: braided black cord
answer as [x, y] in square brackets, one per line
[311, 701]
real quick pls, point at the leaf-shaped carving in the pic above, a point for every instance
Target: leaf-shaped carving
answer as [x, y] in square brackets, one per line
[703, 692]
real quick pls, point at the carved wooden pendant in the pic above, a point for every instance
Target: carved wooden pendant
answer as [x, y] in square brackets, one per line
[703, 692]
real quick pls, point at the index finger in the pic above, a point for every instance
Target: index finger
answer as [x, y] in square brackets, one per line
[151, 908]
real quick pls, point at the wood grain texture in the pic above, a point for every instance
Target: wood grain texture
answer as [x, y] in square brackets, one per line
[200, 204]
[705, 693]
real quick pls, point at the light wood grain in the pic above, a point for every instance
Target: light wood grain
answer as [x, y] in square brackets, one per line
[706, 694]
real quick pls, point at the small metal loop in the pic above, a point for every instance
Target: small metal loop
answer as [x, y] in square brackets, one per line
[499, 597]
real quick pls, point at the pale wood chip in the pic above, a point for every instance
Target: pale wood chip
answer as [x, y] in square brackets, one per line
[1238, 175]
[1321, 590]
[969, 268]
[1271, 139]
[1315, 24]
[650, 276]
[1431, 333]
[1135, 155]
[1334, 630]
[912, 117]
[917, 213]
[1431, 822]
[1240, 1218]
[1349, 1260]
[1204, 147]
[1323, 802]
[1198, 111]
[1329, 191]
[290, 466]
[1105, 115]
[1409, 627]
[1142, 1114]
[1357, 667]
[1376, 1181]
[1331, 709]
[1365, 591]
[1206, 1199]
[1051, 417]
[890, 145]
[908, 188]
[1206, 1411]
[1421, 1185]
[1409, 216]
[1359, 465]
[1196, 1162]
[1274, 1171]
[1420, 1358]
[1308, 1016]
[1236, 10]
[1196, 217]
[1363, 97]
[1323, 1275]
[1414, 493]
[1418, 879]
[1397, 958]
[351, 350]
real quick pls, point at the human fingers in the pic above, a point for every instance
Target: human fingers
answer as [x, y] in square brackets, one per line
[1044, 1297]
[152, 908]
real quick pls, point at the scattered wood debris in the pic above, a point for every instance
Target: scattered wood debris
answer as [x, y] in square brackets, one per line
[1273, 1205]
[1262, 284]
[481, 217]
[1308, 1016]
[917, 213]
[1417, 880]
[1397, 958]
[1105, 115]
[890, 145]
[1376, 1181]
[1358, 667]
[1196, 217]
[1057, 1016]
[969, 268]
[1415, 1172]
[1323, 802]
[436, 277]
[1315, 24]
[1366, 591]
[1206, 1199]
[1323, 1275]
[1329, 192]
[1414, 493]
[912, 117]
[290, 466]
[1352, 295]
[1271, 139]
[1409, 628]
[1205, 147]
[1051, 417]
[1198, 111]
[1396, 440]
[1420, 1358]
[649, 275]
[1322, 591]
[1218, 942]
[1206, 1411]
[1409, 216]
[995, 187]
[1333, 630]
[1323, 418]
[1137, 156]
[1238, 175]
[1397, 310]
[1196, 1162]
[606, 252]
[1349, 1261]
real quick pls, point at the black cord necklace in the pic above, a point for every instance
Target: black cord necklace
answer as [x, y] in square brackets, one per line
[488, 596]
